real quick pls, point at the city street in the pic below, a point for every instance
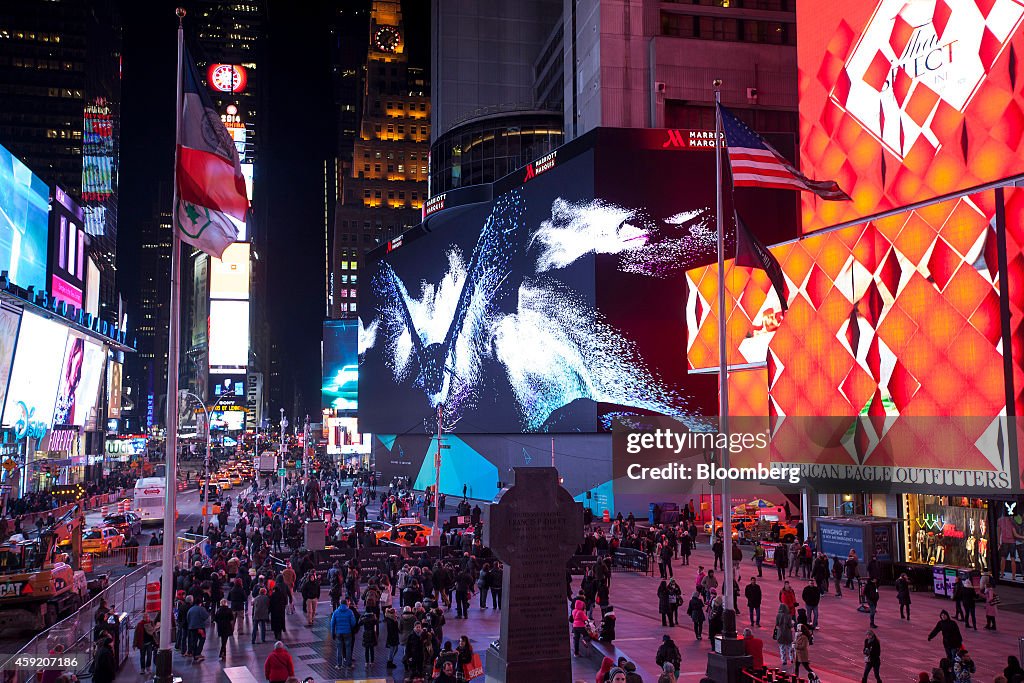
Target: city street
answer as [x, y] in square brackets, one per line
[835, 655]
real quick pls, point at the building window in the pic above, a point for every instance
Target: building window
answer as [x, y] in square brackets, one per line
[401, 168]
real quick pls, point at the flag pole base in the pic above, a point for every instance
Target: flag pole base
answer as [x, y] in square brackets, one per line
[162, 663]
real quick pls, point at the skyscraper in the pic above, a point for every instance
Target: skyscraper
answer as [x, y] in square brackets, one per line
[386, 185]
[60, 80]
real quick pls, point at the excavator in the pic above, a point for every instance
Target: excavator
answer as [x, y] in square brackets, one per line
[38, 586]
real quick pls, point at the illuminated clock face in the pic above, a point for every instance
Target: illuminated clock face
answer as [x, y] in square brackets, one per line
[386, 39]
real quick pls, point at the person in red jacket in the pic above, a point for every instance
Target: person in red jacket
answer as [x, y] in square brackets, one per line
[754, 647]
[279, 666]
[788, 598]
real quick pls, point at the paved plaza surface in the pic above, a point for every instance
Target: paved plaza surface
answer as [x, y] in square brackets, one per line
[835, 656]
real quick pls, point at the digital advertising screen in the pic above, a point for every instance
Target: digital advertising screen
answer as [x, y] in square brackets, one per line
[80, 376]
[67, 249]
[229, 275]
[521, 315]
[340, 386]
[229, 333]
[98, 175]
[903, 101]
[24, 223]
[9, 321]
[227, 389]
[36, 374]
[113, 389]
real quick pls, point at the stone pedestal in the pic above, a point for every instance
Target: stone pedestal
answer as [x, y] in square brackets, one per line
[534, 528]
[727, 660]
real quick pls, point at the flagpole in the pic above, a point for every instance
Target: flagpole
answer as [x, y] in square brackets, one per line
[728, 616]
[165, 653]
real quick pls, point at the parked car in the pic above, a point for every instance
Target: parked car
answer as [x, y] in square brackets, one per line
[129, 523]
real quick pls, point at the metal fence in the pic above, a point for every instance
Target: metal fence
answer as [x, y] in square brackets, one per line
[125, 597]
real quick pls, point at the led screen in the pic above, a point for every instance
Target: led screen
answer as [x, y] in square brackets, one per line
[229, 333]
[228, 420]
[904, 101]
[339, 388]
[229, 275]
[113, 389]
[24, 223]
[79, 386]
[67, 249]
[227, 389]
[98, 153]
[36, 373]
[522, 314]
[9, 321]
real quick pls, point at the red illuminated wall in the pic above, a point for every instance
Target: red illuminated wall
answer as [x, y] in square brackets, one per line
[897, 320]
[904, 101]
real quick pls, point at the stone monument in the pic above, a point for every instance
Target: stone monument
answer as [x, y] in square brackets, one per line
[535, 526]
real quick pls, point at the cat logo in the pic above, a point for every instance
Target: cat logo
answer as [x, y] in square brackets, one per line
[13, 590]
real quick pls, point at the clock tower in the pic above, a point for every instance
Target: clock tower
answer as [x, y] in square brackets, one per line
[381, 194]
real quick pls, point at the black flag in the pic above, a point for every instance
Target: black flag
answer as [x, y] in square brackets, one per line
[752, 254]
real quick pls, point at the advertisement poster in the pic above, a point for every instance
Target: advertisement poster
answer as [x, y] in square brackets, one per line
[906, 101]
[38, 361]
[340, 365]
[836, 540]
[24, 223]
[9, 321]
[79, 381]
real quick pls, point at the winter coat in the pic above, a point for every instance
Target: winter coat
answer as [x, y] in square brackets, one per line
[261, 608]
[343, 621]
[872, 651]
[696, 610]
[392, 626]
[279, 666]
[903, 591]
[368, 623]
[225, 620]
[579, 615]
[951, 636]
[803, 644]
[784, 629]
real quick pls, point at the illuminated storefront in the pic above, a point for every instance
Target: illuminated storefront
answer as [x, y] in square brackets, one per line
[949, 530]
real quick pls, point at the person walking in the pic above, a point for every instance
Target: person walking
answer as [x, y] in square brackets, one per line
[239, 600]
[665, 560]
[368, 624]
[781, 560]
[811, 596]
[392, 627]
[343, 628]
[145, 641]
[992, 601]
[663, 607]
[871, 597]
[952, 639]
[278, 606]
[970, 599]
[758, 557]
[279, 667]
[224, 618]
[903, 595]
[803, 647]
[718, 548]
[752, 592]
[104, 663]
[198, 619]
[837, 575]
[579, 625]
[783, 634]
[872, 656]
[260, 615]
[675, 599]
[787, 598]
[851, 568]
[695, 610]
[311, 595]
[668, 653]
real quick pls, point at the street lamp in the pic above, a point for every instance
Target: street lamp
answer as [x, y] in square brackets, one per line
[206, 468]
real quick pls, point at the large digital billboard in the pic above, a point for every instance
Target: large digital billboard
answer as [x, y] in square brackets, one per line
[229, 275]
[904, 101]
[67, 249]
[113, 389]
[9, 321]
[36, 374]
[80, 376]
[24, 223]
[888, 367]
[522, 315]
[227, 389]
[229, 334]
[340, 385]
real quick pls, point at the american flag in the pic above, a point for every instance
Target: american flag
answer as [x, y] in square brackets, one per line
[755, 163]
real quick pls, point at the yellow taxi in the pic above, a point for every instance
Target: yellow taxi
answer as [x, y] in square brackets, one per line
[101, 539]
[235, 479]
[404, 533]
[225, 484]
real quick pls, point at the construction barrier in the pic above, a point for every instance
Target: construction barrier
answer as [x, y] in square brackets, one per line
[86, 562]
[153, 596]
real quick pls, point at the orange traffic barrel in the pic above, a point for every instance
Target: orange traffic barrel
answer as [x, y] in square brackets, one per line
[86, 562]
[606, 517]
[153, 596]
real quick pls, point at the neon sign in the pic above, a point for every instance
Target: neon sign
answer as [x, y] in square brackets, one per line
[227, 77]
[25, 426]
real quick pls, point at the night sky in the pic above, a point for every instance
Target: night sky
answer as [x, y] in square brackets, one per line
[298, 134]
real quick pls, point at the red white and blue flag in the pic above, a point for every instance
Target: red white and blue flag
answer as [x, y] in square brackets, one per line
[209, 189]
[755, 163]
